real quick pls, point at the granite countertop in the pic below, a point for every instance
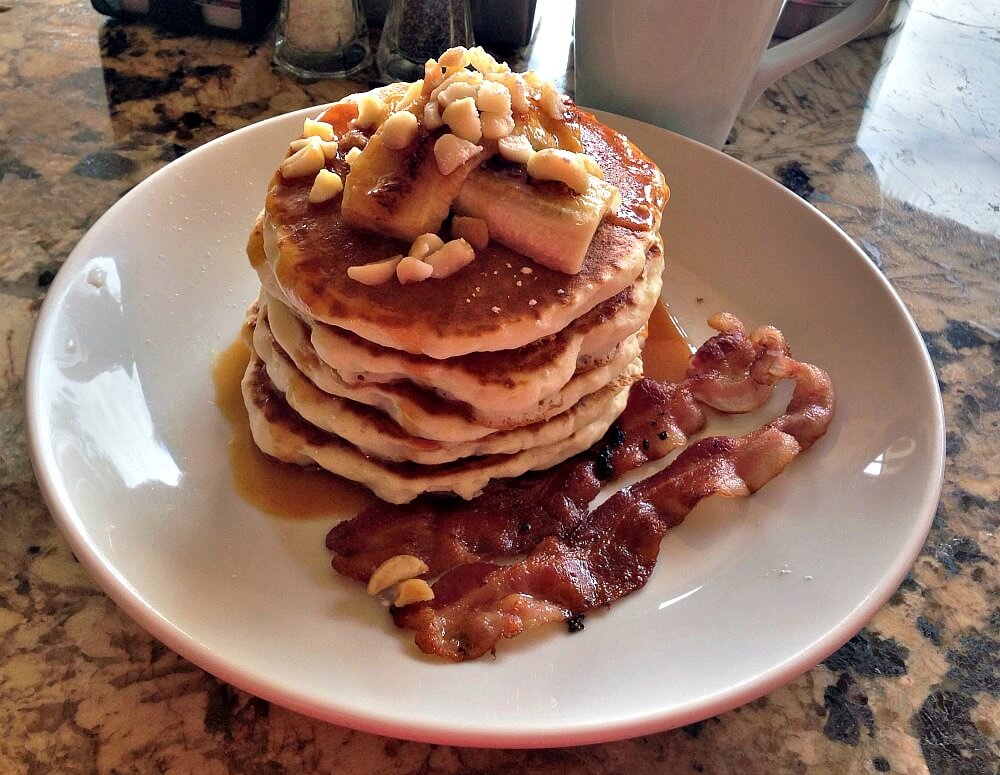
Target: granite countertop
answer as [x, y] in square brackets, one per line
[896, 138]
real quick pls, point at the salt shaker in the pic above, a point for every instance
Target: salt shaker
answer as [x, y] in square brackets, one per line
[322, 38]
[417, 30]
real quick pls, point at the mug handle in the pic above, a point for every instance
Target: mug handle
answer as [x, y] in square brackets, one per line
[782, 59]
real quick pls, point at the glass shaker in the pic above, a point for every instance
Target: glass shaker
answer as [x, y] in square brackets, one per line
[322, 38]
[417, 30]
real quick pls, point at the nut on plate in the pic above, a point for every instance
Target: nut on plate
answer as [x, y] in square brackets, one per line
[397, 568]
[412, 591]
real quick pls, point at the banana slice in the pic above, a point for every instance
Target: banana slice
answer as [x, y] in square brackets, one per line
[388, 193]
[553, 228]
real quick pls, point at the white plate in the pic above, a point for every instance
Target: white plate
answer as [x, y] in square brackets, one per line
[130, 452]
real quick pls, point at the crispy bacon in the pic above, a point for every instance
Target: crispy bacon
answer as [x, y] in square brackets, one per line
[730, 371]
[577, 560]
[612, 552]
[506, 520]
[512, 516]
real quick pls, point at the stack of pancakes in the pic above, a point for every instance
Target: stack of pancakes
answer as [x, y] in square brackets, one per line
[505, 367]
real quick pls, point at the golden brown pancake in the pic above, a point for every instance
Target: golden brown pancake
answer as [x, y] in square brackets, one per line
[502, 367]
[281, 433]
[507, 382]
[377, 435]
[422, 412]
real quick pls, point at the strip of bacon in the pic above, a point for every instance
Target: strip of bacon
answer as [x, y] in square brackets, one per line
[511, 517]
[612, 552]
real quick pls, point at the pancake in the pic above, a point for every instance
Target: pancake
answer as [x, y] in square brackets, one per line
[509, 382]
[502, 333]
[481, 308]
[281, 433]
[422, 412]
[376, 435]
[511, 379]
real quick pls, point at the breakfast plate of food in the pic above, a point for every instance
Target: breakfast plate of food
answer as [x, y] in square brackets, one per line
[457, 413]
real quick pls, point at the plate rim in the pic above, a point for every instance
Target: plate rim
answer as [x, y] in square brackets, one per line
[145, 615]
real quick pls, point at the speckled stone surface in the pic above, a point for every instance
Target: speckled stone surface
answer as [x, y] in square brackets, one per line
[896, 140]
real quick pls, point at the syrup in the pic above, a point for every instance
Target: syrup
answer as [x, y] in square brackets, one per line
[281, 489]
[668, 348]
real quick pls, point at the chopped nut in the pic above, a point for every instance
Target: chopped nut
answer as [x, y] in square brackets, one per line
[518, 91]
[302, 142]
[454, 255]
[411, 95]
[326, 186]
[432, 116]
[496, 310]
[320, 129]
[432, 75]
[527, 270]
[454, 59]
[533, 80]
[516, 86]
[496, 125]
[375, 273]
[425, 244]
[484, 63]
[462, 118]
[330, 149]
[412, 270]
[451, 152]
[457, 90]
[556, 164]
[550, 101]
[532, 302]
[370, 111]
[460, 77]
[353, 154]
[394, 570]
[473, 230]
[412, 591]
[308, 160]
[515, 148]
[493, 97]
[399, 130]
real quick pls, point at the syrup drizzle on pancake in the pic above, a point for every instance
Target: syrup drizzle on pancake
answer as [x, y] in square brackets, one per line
[294, 492]
[280, 489]
[668, 349]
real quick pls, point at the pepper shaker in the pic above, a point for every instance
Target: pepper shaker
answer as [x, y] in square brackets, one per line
[322, 38]
[417, 30]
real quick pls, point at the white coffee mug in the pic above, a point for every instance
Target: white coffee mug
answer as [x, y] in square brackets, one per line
[693, 65]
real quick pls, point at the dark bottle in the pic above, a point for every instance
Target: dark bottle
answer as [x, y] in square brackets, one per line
[418, 30]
